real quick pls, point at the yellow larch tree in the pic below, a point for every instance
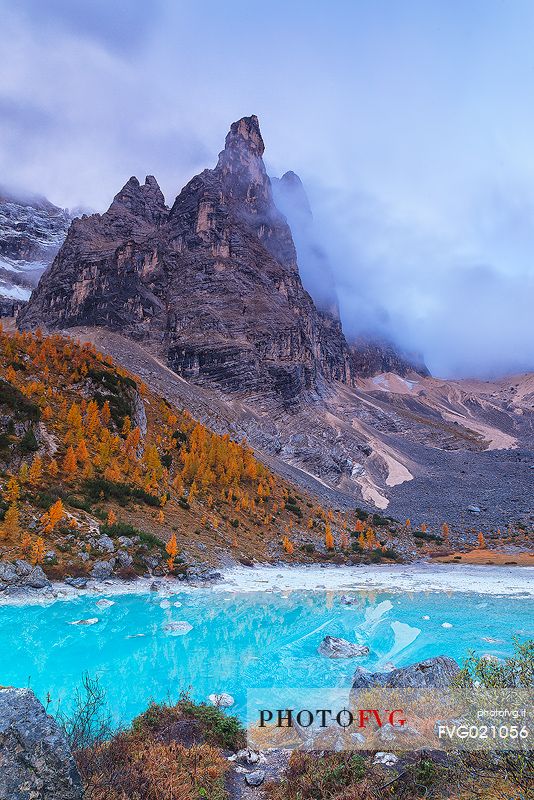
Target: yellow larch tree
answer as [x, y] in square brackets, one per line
[82, 453]
[70, 464]
[23, 473]
[288, 545]
[370, 539]
[12, 491]
[328, 538]
[172, 551]
[11, 522]
[74, 424]
[92, 418]
[53, 516]
[105, 414]
[26, 544]
[36, 470]
[38, 551]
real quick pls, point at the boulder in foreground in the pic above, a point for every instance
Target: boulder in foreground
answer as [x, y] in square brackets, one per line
[35, 760]
[438, 672]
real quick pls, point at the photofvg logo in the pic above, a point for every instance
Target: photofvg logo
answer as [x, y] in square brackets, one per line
[326, 717]
[400, 719]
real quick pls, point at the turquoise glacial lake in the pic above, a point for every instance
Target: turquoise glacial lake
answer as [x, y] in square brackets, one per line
[231, 642]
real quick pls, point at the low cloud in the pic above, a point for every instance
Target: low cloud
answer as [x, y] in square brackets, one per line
[438, 295]
[411, 128]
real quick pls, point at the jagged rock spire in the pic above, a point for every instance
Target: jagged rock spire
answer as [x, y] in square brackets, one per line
[291, 198]
[241, 165]
[145, 201]
[245, 135]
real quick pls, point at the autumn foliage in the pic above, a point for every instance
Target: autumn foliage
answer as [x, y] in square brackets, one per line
[172, 551]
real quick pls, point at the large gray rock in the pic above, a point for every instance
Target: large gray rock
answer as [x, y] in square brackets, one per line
[36, 579]
[332, 647]
[35, 760]
[105, 543]
[438, 672]
[102, 570]
[21, 575]
[22, 567]
[124, 559]
[78, 583]
[8, 574]
[255, 778]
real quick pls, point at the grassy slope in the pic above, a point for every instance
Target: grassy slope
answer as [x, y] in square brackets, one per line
[149, 466]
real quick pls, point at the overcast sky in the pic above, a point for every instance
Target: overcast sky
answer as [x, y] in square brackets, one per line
[410, 123]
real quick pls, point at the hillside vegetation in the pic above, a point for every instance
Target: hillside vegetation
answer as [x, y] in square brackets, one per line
[97, 469]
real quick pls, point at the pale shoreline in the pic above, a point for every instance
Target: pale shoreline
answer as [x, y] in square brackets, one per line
[420, 577]
[511, 582]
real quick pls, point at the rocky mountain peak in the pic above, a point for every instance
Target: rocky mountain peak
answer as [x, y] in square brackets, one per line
[293, 188]
[244, 136]
[213, 284]
[31, 232]
[291, 198]
[145, 201]
[241, 169]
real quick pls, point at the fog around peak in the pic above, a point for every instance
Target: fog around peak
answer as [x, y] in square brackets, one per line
[411, 126]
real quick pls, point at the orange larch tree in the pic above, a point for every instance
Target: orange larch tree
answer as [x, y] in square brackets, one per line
[38, 551]
[328, 538]
[70, 464]
[36, 470]
[172, 551]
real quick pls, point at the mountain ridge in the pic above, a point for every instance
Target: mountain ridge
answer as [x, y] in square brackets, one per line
[32, 230]
[210, 290]
[120, 269]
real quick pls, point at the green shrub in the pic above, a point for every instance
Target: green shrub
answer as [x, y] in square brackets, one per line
[5, 441]
[334, 775]
[515, 672]
[150, 539]
[427, 537]
[215, 726]
[75, 501]
[292, 506]
[125, 529]
[115, 389]
[140, 494]
[375, 556]
[19, 404]
[45, 499]
[378, 520]
[28, 443]
[179, 438]
[182, 502]
[102, 489]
